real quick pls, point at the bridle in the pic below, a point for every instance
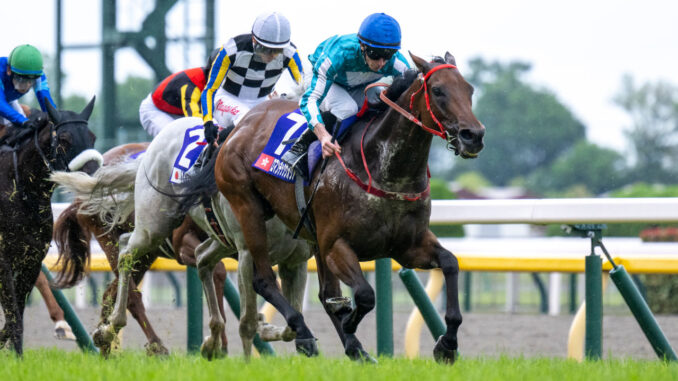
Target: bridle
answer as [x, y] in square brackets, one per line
[49, 162]
[403, 196]
[441, 132]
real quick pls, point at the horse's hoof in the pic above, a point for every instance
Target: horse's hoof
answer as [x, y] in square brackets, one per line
[308, 347]
[211, 349]
[62, 331]
[288, 334]
[360, 355]
[444, 355]
[156, 349]
[337, 303]
[103, 336]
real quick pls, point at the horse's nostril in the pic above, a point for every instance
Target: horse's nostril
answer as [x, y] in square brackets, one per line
[470, 137]
[466, 136]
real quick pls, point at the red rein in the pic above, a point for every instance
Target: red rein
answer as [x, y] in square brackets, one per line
[403, 196]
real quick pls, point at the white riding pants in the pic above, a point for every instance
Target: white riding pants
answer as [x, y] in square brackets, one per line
[152, 118]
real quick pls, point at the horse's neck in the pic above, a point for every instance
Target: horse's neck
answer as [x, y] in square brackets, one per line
[32, 169]
[396, 151]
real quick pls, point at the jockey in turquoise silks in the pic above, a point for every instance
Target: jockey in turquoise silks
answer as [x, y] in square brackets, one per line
[342, 67]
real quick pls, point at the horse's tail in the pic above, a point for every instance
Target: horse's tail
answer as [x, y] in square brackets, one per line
[72, 241]
[107, 195]
[198, 186]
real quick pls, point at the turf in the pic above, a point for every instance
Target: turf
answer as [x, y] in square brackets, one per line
[56, 365]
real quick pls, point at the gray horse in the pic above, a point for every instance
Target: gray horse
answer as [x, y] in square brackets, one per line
[141, 186]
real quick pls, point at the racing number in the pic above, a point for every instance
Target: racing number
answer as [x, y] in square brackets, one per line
[299, 121]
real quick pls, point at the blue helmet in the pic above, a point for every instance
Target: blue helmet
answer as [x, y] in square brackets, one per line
[380, 30]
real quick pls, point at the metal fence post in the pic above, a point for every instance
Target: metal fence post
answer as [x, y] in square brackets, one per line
[82, 338]
[383, 272]
[193, 310]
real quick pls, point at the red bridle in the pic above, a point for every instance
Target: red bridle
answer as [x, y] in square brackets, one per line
[441, 131]
[390, 194]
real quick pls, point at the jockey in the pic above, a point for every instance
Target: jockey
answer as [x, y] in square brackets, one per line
[245, 70]
[342, 67]
[20, 72]
[176, 96]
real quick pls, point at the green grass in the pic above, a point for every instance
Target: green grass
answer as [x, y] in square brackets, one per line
[55, 365]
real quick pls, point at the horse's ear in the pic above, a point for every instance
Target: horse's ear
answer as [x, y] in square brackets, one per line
[87, 111]
[52, 112]
[421, 64]
[449, 58]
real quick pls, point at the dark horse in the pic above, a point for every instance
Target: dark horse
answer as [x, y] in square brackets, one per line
[62, 141]
[73, 231]
[356, 221]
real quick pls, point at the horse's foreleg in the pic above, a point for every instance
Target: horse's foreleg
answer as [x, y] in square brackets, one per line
[13, 325]
[430, 254]
[343, 262]
[248, 302]
[293, 281]
[252, 221]
[446, 347]
[207, 255]
[219, 277]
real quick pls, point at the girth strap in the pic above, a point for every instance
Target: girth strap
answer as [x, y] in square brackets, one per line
[301, 205]
[208, 206]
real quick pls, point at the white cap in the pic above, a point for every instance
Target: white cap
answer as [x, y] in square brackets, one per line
[272, 30]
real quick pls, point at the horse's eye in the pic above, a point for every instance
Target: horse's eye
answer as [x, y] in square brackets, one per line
[437, 91]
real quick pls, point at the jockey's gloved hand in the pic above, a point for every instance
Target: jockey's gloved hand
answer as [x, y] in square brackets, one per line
[29, 124]
[210, 132]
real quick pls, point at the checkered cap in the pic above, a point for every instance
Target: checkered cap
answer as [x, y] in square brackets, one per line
[272, 30]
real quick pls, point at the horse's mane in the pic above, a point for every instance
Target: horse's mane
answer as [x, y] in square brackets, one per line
[401, 83]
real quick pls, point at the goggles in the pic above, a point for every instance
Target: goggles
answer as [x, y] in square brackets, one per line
[24, 79]
[379, 53]
[265, 50]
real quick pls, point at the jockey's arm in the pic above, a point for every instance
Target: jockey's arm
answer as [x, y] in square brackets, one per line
[215, 78]
[42, 93]
[10, 113]
[295, 68]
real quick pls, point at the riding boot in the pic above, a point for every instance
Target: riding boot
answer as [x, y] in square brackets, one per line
[297, 156]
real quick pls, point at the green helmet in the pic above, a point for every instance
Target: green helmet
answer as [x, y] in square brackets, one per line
[26, 60]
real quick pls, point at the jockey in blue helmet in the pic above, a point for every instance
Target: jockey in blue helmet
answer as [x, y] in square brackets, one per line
[342, 67]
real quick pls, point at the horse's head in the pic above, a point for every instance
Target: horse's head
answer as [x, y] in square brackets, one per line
[71, 141]
[444, 104]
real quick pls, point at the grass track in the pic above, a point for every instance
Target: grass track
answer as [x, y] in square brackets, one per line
[56, 365]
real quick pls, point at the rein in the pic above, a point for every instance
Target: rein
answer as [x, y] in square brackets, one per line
[391, 195]
[401, 196]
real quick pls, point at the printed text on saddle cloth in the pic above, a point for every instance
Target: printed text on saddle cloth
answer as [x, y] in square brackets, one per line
[289, 127]
[193, 142]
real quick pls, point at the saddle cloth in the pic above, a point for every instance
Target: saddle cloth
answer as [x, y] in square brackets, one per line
[193, 143]
[288, 128]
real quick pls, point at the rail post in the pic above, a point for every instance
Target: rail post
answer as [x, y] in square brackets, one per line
[428, 312]
[194, 310]
[383, 270]
[82, 338]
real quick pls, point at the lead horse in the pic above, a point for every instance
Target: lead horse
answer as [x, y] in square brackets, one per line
[61, 141]
[387, 217]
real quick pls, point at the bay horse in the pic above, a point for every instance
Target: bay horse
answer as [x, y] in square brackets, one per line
[387, 217]
[61, 141]
[73, 231]
[143, 186]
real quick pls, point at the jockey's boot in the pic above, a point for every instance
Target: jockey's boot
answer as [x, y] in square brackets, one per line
[297, 156]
